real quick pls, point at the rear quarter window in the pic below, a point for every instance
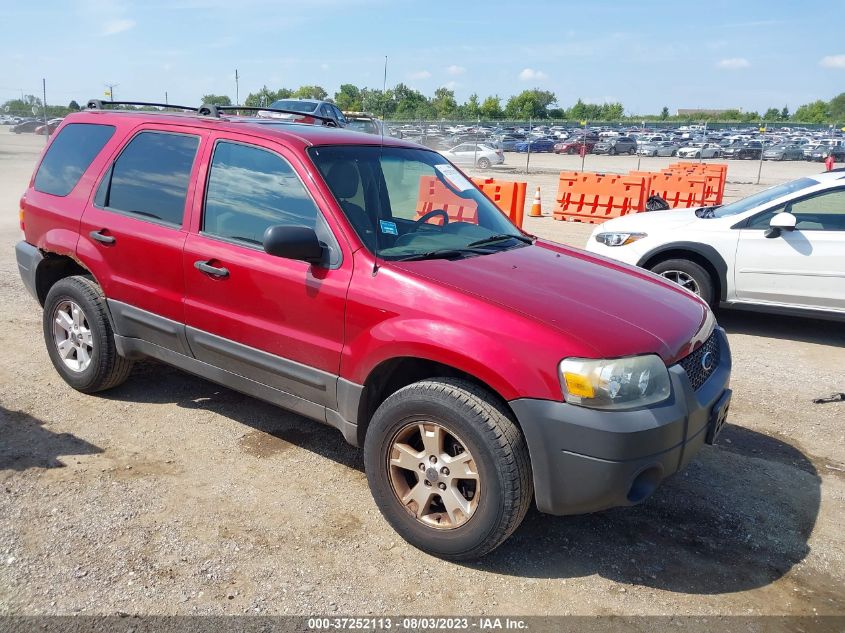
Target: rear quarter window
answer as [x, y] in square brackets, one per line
[70, 155]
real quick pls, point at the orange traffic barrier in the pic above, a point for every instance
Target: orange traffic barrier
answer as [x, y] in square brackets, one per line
[595, 198]
[715, 175]
[537, 207]
[509, 197]
[678, 190]
[435, 195]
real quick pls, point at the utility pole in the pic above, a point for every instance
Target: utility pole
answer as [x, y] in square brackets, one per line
[237, 90]
[111, 88]
[44, 103]
[165, 97]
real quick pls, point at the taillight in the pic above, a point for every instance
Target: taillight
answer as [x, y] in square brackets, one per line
[305, 119]
[20, 218]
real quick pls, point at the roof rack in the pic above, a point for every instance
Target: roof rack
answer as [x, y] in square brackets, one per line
[210, 109]
[97, 104]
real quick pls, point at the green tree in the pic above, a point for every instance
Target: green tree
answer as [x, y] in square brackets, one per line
[412, 104]
[664, 113]
[578, 111]
[265, 96]
[471, 109]
[772, 114]
[310, 92]
[378, 102]
[349, 98]
[444, 103]
[815, 112]
[217, 100]
[530, 104]
[73, 105]
[784, 114]
[837, 108]
[491, 108]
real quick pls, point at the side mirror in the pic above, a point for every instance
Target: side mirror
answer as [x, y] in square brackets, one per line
[784, 221]
[294, 242]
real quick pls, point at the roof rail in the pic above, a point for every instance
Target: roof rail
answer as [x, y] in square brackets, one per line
[210, 109]
[97, 104]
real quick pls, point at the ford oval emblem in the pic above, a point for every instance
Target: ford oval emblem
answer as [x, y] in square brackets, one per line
[707, 361]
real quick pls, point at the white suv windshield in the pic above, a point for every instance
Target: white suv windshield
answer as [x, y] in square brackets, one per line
[740, 206]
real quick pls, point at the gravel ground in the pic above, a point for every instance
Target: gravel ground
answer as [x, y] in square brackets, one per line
[172, 495]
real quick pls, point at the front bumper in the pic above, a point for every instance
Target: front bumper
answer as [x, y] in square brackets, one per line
[585, 460]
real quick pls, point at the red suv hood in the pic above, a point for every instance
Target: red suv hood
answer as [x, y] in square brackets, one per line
[616, 309]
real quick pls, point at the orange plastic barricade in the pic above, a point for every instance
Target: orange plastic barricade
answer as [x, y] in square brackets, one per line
[715, 175]
[435, 195]
[508, 196]
[679, 190]
[595, 198]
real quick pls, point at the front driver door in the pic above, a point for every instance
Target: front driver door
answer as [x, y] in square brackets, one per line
[804, 267]
[275, 321]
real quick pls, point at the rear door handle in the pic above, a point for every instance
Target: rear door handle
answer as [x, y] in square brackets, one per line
[104, 239]
[208, 269]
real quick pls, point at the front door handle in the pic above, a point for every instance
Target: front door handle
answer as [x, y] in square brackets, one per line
[104, 239]
[208, 269]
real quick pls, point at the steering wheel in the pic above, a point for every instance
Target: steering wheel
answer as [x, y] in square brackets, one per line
[427, 216]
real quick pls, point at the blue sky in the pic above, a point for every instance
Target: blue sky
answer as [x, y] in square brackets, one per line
[646, 54]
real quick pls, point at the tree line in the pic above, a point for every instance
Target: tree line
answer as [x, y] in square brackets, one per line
[404, 103]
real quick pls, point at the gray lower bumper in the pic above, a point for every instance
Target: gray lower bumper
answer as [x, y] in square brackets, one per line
[586, 460]
[28, 259]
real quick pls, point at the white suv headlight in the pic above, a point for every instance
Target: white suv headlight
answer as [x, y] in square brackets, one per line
[615, 383]
[619, 239]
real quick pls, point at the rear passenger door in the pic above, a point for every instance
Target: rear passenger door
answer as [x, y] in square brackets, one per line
[276, 321]
[133, 232]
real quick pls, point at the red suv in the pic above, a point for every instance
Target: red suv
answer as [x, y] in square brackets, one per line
[367, 284]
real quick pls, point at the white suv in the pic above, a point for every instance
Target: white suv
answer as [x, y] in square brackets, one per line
[780, 250]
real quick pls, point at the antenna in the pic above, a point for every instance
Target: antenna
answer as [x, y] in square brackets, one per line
[381, 152]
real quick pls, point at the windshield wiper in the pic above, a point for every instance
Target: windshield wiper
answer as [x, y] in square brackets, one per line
[501, 237]
[445, 253]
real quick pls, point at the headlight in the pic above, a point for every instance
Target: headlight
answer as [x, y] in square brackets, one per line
[615, 383]
[619, 239]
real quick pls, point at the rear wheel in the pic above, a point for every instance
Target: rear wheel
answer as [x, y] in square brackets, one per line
[448, 468]
[612, 151]
[688, 275]
[79, 337]
[484, 163]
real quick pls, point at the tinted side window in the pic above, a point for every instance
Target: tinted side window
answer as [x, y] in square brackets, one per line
[70, 154]
[151, 176]
[250, 189]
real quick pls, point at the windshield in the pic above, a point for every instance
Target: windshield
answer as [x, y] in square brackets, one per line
[407, 203]
[362, 125]
[740, 206]
[297, 106]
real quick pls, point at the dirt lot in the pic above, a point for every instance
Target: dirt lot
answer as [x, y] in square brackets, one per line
[171, 495]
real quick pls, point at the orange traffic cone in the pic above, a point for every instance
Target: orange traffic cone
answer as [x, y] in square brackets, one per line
[536, 209]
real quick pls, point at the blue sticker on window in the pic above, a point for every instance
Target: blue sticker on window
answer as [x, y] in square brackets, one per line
[388, 227]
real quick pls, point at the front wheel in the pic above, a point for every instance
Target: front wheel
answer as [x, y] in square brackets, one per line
[79, 337]
[612, 151]
[483, 163]
[448, 468]
[690, 276]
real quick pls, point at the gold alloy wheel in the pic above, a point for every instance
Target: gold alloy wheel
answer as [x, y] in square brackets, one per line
[433, 475]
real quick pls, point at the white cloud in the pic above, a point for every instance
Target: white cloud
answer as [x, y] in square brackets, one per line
[456, 70]
[734, 63]
[118, 25]
[419, 74]
[324, 66]
[833, 61]
[451, 85]
[529, 74]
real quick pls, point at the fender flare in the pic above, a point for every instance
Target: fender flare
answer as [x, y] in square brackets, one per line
[710, 254]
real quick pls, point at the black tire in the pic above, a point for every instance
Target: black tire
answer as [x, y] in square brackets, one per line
[612, 151]
[107, 368]
[484, 163]
[706, 288]
[492, 438]
[632, 151]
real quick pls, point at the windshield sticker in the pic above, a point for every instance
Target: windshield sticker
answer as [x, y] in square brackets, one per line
[388, 227]
[455, 178]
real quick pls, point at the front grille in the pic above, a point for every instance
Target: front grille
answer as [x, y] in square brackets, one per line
[697, 370]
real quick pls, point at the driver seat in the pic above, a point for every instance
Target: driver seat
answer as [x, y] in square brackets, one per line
[342, 178]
